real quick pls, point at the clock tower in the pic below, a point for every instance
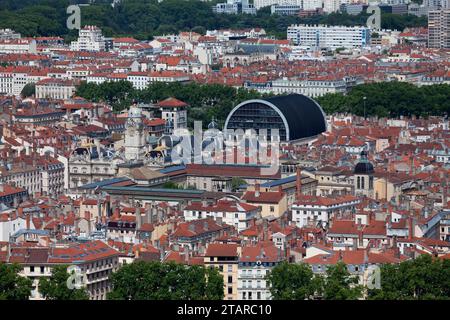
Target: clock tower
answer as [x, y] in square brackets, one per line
[134, 134]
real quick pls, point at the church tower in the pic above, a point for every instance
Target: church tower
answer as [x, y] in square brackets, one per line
[363, 177]
[134, 134]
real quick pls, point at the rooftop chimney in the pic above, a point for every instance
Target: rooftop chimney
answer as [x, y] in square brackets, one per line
[299, 183]
[257, 190]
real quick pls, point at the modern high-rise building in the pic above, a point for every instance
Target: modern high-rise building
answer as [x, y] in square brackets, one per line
[90, 38]
[439, 28]
[321, 36]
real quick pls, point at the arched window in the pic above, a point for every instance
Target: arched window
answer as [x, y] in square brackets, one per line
[358, 184]
[362, 183]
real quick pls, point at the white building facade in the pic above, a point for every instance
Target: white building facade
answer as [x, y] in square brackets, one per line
[330, 37]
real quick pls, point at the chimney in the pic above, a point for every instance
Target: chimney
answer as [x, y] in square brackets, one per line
[257, 190]
[299, 183]
[138, 218]
[410, 228]
[28, 222]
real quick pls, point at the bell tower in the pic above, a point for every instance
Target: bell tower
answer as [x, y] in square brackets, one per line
[134, 134]
[363, 177]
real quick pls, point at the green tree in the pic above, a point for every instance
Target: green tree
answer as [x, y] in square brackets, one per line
[290, 281]
[236, 182]
[165, 281]
[28, 91]
[149, 18]
[422, 278]
[392, 99]
[12, 285]
[55, 287]
[171, 185]
[339, 284]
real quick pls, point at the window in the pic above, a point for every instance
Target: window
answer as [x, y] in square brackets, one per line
[230, 279]
[258, 295]
[42, 269]
[230, 290]
[272, 209]
[31, 268]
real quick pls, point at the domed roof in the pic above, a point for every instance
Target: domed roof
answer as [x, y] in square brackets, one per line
[363, 166]
[213, 124]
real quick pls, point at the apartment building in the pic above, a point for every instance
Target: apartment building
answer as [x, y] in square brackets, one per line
[266, 3]
[310, 88]
[22, 175]
[439, 28]
[10, 195]
[255, 263]
[14, 79]
[225, 257]
[313, 211]
[90, 38]
[7, 34]
[234, 213]
[329, 37]
[96, 260]
[17, 46]
[55, 89]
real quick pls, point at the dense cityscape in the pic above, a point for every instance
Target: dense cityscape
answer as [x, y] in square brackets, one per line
[253, 150]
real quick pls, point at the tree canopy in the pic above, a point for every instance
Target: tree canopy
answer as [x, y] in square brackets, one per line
[29, 90]
[144, 19]
[290, 281]
[166, 281]
[12, 285]
[339, 284]
[419, 279]
[55, 287]
[390, 99]
[206, 101]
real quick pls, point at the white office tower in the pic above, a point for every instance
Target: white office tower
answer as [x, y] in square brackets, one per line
[437, 4]
[311, 4]
[265, 3]
[90, 38]
[331, 37]
[330, 6]
[234, 7]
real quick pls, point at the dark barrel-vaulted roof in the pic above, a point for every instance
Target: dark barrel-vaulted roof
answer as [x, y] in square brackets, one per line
[304, 116]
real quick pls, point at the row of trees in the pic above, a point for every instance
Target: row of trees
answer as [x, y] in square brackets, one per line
[147, 18]
[15, 287]
[390, 99]
[418, 279]
[166, 281]
[207, 101]
[290, 281]
[423, 278]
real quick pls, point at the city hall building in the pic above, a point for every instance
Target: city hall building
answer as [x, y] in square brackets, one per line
[297, 117]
